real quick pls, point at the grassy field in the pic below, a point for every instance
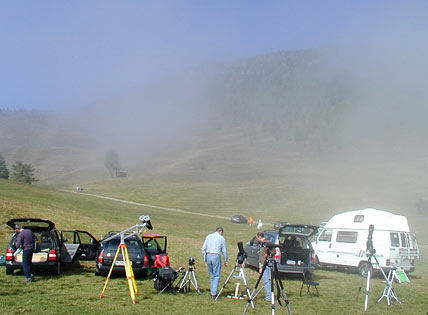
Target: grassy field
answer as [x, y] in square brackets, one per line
[77, 289]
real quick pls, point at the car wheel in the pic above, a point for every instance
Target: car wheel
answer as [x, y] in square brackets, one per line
[144, 274]
[364, 269]
[98, 271]
[57, 269]
[9, 270]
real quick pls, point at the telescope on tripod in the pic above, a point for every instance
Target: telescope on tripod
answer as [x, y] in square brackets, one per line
[239, 269]
[389, 290]
[123, 249]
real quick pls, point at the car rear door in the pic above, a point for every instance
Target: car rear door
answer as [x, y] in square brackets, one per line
[70, 246]
[89, 245]
[78, 245]
[252, 250]
[155, 245]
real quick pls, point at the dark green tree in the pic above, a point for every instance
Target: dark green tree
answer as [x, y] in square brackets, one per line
[4, 172]
[23, 173]
[111, 162]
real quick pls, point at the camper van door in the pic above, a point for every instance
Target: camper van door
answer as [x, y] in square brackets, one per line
[323, 246]
[344, 247]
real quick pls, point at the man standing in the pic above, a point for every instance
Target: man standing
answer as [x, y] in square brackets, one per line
[215, 246]
[262, 257]
[27, 240]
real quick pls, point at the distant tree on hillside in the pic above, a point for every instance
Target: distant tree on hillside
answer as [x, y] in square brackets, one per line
[23, 173]
[111, 162]
[4, 172]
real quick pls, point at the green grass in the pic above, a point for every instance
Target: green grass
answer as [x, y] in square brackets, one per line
[77, 289]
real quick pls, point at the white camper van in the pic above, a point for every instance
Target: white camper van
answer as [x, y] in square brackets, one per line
[343, 241]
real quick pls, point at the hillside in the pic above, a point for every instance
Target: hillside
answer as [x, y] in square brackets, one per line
[77, 289]
[300, 99]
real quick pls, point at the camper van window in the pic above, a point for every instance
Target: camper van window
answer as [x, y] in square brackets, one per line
[395, 242]
[346, 237]
[359, 218]
[403, 240]
[325, 236]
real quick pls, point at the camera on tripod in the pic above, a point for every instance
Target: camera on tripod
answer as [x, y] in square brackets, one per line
[191, 261]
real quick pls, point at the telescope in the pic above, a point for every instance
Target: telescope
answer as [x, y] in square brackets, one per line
[136, 229]
[369, 246]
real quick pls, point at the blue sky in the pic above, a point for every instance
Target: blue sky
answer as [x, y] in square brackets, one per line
[61, 54]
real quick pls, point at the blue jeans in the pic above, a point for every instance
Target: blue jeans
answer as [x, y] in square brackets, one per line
[267, 283]
[214, 268]
[27, 255]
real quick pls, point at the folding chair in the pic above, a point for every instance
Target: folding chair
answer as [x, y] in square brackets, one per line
[307, 280]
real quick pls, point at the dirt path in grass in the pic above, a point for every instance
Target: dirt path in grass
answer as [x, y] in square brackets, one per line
[150, 206]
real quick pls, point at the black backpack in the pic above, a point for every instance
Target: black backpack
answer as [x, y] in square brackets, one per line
[163, 280]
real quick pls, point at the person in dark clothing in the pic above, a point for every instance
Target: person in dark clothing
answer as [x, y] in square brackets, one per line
[27, 240]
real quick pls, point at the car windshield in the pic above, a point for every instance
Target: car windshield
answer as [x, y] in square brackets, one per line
[134, 245]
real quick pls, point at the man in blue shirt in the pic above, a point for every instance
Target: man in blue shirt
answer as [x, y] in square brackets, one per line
[27, 240]
[215, 246]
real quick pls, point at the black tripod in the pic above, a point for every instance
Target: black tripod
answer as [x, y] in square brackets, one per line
[189, 277]
[275, 281]
[389, 290]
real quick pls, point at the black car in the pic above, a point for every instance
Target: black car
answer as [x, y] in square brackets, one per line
[238, 219]
[294, 253]
[142, 254]
[51, 250]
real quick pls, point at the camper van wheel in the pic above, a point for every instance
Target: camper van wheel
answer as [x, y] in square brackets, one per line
[9, 270]
[364, 269]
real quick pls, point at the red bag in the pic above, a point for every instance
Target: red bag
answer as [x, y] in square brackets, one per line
[161, 260]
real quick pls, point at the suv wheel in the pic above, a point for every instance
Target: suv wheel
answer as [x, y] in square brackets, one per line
[9, 270]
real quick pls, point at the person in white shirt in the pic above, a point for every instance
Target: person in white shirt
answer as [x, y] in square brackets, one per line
[215, 246]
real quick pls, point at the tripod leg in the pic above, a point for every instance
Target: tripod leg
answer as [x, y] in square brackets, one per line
[226, 282]
[111, 270]
[242, 273]
[195, 282]
[128, 272]
[366, 303]
[183, 282]
[282, 293]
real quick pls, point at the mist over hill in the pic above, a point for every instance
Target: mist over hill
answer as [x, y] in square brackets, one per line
[297, 103]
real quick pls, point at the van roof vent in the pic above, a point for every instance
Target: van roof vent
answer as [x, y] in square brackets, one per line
[359, 218]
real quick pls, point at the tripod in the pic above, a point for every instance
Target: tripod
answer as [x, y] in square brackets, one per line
[123, 249]
[189, 277]
[240, 263]
[275, 281]
[388, 291]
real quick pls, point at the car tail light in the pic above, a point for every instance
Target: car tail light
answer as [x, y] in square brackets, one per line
[313, 257]
[388, 262]
[146, 260]
[100, 258]
[52, 255]
[9, 254]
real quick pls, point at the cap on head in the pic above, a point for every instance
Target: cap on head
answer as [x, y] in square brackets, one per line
[18, 227]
